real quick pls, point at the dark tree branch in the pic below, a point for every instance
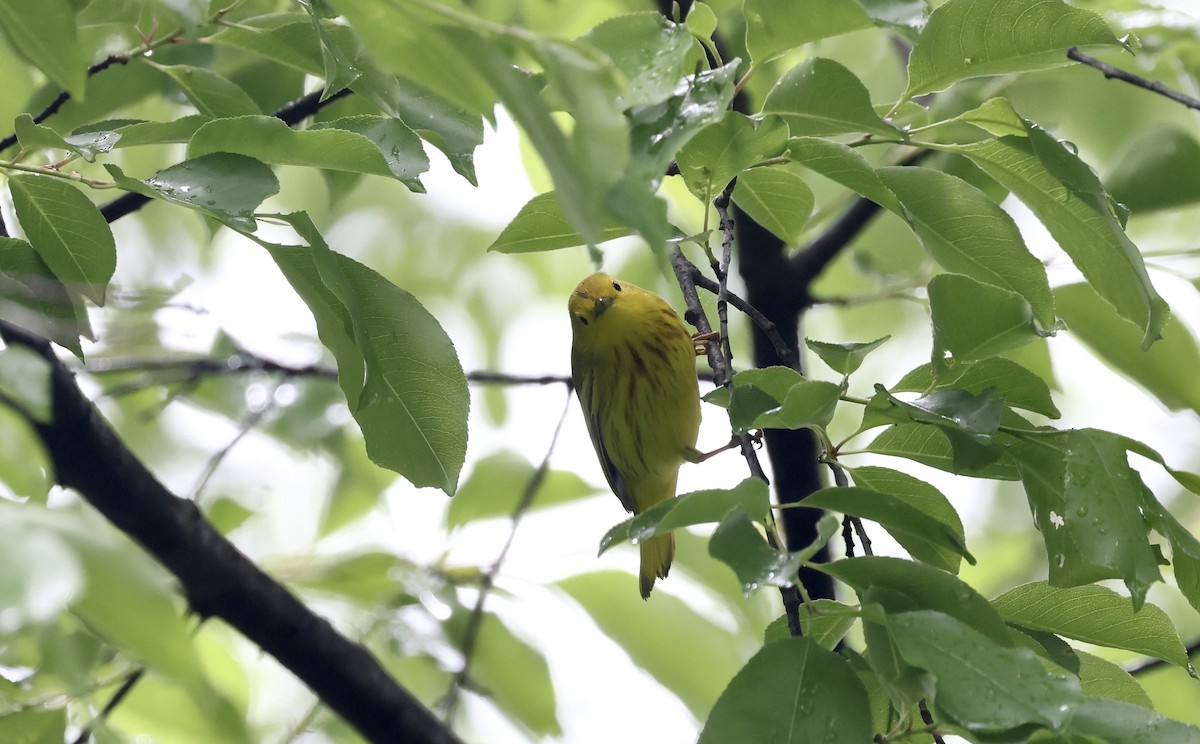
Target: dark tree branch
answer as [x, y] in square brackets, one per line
[1150, 665]
[217, 580]
[1117, 73]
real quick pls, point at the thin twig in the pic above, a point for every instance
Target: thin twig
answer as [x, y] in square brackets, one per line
[112, 703]
[927, 718]
[721, 203]
[1152, 664]
[214, 462]
[487, 580]
[1154, 86]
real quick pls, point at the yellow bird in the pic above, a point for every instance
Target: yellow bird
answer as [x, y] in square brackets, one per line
[634, 367]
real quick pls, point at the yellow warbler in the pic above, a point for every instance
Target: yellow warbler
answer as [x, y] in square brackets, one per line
[633, 363]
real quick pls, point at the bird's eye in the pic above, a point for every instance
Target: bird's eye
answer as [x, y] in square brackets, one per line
[582, 320]
[616, 286]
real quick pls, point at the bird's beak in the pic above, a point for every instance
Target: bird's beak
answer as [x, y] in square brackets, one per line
[602, 304]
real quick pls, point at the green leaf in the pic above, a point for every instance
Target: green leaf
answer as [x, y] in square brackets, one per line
[973, 320]
[651, 52]
[995, 116]
[47, 39]
[497, 482]
[697, 507]
[973, 38]
[779, 397]
[134, 132]
[928, 445]
[666, 648]
[542, 226]
[1086, 503]
[1185, 548]
[977, 683]
[34, 299]
[820, 97]
[843, 165]
[1124, 723]
[968, 233]
[900, 586]
[339, 68]
[399, 145]
[824, 621]
[914, 492]
[222, 185]
[25, 382]
[847, 357]
[738, 544]
[791, 692]
[1104, 679]
[1020, 387]
[722, 150]
[268, 139]
[775, 26]
[1077, 213]
[1166, 369]
[42, 578]
[441, 123]
[67, 231]
[211, 94]
[924, 537]
[396, 365]
[963, 416]
[512, 673]
[88, 145]
[776, 198]
[1157, 168]
[1093, 614]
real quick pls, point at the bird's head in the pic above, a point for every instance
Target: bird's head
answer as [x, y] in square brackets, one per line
[594, 296]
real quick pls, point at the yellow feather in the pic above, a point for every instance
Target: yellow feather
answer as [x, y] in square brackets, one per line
[633, 363]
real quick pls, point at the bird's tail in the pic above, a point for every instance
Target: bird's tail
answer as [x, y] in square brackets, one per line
[657, 554]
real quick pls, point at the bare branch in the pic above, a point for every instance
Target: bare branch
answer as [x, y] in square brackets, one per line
[1117, 73]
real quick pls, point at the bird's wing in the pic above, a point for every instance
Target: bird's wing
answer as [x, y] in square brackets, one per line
[592, 413]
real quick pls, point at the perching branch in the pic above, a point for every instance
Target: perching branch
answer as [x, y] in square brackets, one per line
[1111, 72]
[216, 579]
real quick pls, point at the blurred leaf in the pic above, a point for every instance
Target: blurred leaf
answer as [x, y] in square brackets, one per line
[397, 367]
[225, 186]
[792, 691]
[924, 537]
[43, 576]
[511, 673]
[212, 95]
[775, 26]
[399, 145]
[1166, 369]
[1157, 168]
[359, 489]
[823, 620]
[723, 149]
[34, 726]
[843, 165]
[973, 38]
[32, 297]
[1020, 387]
[497, 482]
[968, 233]
[25, 469]
[165, 711]
[87, 145]
[821, 97]
[972, 320]
[779, 397]
[697, 507]
[651, 52]
[226, 515]
[743, 548]
[1085, 500]
[776, 198]
[1093, 614]
[47, 39]
[67, 231]
[370, 578]
[25, 382]
[977, 683]
[542, 226]
[661, 636]
[1070, 201]
[907, 585]
[847, 357]
[1124, 723]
